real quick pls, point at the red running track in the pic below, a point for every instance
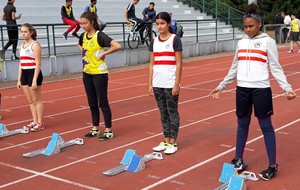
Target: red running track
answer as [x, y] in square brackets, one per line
[206, 138]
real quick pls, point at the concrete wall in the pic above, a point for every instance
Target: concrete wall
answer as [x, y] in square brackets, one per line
[66, 64]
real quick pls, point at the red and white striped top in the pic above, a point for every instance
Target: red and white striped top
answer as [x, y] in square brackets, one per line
[164, 69]
[27, 59]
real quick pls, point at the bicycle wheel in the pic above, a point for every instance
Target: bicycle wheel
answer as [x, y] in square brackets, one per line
[149, 37]
[133, 40]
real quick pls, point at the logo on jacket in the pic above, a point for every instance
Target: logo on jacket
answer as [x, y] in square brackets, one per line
[168, 45]
[257, 45]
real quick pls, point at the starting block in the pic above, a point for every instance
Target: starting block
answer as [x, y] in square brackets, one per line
[55, 144]
[232, 180]
[132, 162]
[5, 132]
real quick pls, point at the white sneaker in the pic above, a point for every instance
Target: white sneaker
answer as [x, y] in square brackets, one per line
[29, 126]
[291, 51]
[162, 146]
[171, 149]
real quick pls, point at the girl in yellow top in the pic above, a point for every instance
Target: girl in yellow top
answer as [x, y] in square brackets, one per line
[294, 33]
[95, 72]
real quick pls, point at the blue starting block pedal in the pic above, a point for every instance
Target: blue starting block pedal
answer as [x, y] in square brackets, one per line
[5, 132]
[132, 162]
[236, 183]
[232, 180]
[136, 164]
[55, 144]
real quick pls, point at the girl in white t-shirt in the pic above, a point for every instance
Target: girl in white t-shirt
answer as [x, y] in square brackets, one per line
[164, 78]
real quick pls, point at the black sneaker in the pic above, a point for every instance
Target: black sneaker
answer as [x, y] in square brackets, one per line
[75, 35]
[106, 135]
[92, 133]
[239, 164]
[269, 173]
[65, 36]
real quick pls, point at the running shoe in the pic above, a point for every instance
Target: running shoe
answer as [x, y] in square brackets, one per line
[162, 146]
[92, 133]
[171, 149]
[239, 164]
[269, 172]
[38, 127]
[29, 126]
[65, 36]
[106, 135]
[75, 35]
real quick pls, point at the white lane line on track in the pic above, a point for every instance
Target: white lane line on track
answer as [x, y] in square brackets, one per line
[36, 174]
[212, 158]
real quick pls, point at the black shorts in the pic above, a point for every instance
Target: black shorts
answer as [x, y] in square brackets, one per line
[294, 36]
[27, 76]
[260, 98]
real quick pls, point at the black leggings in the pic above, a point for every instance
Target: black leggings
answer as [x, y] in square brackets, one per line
[13, 35]
[96, 91]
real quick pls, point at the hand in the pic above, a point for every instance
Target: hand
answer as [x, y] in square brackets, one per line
[215, 93]
[150, 90]
[175, 90]
[101, 56]
[34, 85]
[291, 95]
[19, 86]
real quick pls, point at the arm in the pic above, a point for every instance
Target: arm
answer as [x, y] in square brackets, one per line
[114, 46]
[277, 70]
[3, 16]
[38, 57]
[178, 58]
[126, 15]
[229, 78]
[19, 86]
[150, 77]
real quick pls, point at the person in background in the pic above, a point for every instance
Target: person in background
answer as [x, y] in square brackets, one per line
[95, 72]
[173, 24]
[278, 20]
[30, 76]
[130, 17]
[92, 8]
[256, 54]
[68, 18]
[148, 16]
[9, 15]
[294, 33]
[287, 21]
[165, 71]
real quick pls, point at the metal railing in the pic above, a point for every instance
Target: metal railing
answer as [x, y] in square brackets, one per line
[217, 10]
[50, 35]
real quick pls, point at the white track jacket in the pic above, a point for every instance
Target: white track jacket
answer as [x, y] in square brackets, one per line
[251, 63]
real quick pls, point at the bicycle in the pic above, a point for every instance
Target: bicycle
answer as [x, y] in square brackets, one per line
[134, 38]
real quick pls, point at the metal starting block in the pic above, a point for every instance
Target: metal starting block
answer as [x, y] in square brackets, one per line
[232, 180]
[54, 146]
[5, 132]
[132, 162]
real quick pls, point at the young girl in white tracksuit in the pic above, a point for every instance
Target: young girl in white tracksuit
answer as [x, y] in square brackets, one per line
[255, 54]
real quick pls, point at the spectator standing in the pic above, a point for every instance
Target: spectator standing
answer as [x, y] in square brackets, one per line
[287, 21]
[278, 20]
[92, 8]
[294, 33]
[9, 15]
[68, 18]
